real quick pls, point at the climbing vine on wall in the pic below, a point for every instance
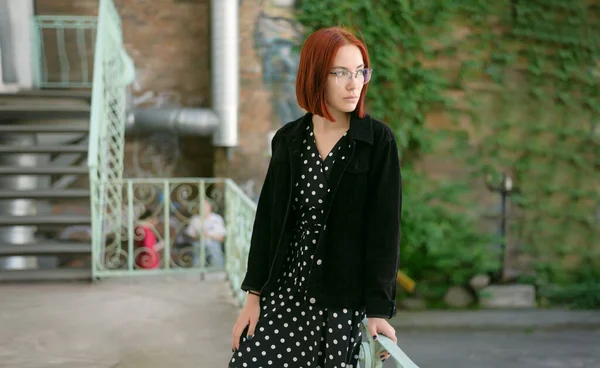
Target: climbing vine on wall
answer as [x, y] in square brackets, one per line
[520, 80]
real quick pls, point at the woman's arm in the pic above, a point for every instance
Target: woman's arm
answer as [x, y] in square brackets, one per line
[383, 229]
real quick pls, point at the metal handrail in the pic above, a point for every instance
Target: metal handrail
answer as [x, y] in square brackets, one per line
[69, 56]
[113, 72]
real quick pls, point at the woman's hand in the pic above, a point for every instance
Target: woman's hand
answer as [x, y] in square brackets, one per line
[377, 326]
[248, 317]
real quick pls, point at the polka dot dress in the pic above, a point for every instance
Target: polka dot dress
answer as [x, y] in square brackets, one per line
[291, 331]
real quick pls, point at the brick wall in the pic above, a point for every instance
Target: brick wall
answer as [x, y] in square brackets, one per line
[168, 41]
[248, 164]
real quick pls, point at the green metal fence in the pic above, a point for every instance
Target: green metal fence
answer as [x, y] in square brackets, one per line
[113, 72]
[167, 208]
[63, 48]
[172, 212]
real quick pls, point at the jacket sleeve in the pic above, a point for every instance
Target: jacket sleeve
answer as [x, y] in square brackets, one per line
[383, 230]
[258, 265]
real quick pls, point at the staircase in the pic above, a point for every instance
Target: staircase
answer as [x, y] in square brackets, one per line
[44, 186]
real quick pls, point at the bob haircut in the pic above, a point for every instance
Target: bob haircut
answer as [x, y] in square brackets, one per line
[316, 61]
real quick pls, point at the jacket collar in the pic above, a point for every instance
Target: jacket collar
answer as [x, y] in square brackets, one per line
[361, 129]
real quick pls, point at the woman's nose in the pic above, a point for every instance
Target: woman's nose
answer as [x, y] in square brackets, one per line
[352, 83]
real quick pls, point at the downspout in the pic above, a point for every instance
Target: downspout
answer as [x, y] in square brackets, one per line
[222, 120]
[225, 70]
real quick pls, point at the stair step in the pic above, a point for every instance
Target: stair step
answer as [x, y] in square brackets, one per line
[50, 93]
[45, 248]
[48, 170]
[33, 128]
[58, 274]
[45, 194]
[23, 112]
[44, 149]
[45, 220]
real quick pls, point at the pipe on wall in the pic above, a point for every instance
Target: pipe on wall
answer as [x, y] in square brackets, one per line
[177, 120]
[225, 70]
[222, 120]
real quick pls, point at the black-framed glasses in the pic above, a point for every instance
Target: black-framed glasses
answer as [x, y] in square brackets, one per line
[344, 76]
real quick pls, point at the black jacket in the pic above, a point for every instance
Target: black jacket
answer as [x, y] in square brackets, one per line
[356, 259]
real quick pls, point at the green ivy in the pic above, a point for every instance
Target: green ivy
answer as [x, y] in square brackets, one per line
[527, 74]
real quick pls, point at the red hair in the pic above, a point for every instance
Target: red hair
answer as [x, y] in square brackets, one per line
[316, 61]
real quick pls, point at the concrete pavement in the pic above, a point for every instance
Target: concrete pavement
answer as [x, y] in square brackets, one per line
[132, 323]
[184, 322]
[564, 348]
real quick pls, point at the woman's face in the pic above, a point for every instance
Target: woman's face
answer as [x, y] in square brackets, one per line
[344, 88]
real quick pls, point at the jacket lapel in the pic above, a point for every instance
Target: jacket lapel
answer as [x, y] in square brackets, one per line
[337, 172]
[360, 129]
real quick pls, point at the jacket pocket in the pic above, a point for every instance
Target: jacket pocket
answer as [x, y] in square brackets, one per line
[358, 165]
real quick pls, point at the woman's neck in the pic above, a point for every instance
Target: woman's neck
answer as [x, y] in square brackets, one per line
[342, 122]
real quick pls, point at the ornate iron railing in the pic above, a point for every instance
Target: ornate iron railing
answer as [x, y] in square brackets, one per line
[240, 213]
[63, 48]
[113, 72]
[162, 228]
[240, 217]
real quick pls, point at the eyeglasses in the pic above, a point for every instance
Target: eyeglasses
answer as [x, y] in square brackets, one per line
[345, 76]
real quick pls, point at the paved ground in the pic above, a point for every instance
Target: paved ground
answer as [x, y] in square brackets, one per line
[179, 322]
[116, 324]
[502, 349]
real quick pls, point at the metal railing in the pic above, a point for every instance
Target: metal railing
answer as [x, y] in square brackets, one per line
[167, 208]
[240, 212]
[171, 212]
[113, 72]
[63, 48]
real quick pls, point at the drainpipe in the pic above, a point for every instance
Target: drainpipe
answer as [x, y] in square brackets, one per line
[225, 70]
[222, 120]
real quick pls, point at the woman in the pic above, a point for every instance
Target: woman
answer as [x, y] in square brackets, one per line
[325, 244]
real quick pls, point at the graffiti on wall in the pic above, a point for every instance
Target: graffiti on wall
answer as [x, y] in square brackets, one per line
[276, 38]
